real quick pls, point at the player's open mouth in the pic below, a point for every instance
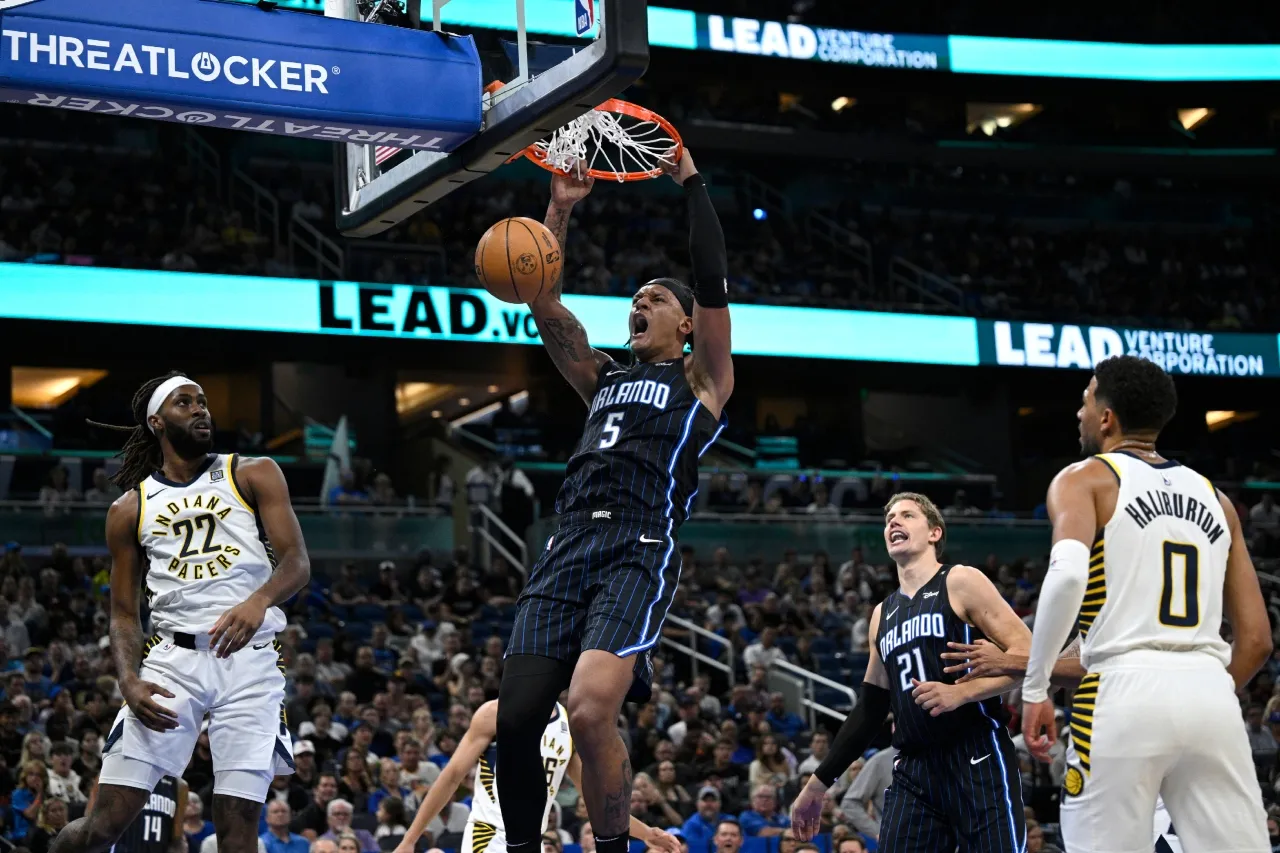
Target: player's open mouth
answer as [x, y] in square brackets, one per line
[897, 536]
[201, 428]
[639, 324]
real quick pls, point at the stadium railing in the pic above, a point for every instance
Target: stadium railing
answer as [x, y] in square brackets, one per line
[688, 646]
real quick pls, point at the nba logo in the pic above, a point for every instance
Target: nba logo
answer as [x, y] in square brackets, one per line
[584, 16]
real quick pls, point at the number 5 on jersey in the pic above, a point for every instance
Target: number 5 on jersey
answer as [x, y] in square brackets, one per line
[611, 430]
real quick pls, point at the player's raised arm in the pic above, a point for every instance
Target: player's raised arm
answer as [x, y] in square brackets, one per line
[851, 741]
[266, 491]
[483, 728]
[1243, 605]
[712, 345]
[562, 334]
[126, 623]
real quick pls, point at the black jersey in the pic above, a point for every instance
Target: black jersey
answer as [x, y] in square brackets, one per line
[152, 830]
[912, 636]
[639, 450]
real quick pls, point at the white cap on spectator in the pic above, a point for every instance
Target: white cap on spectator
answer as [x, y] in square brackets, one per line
[708, 791]
[303, 747]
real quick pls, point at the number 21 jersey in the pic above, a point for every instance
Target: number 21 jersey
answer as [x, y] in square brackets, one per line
[639, 450]
[204, 548]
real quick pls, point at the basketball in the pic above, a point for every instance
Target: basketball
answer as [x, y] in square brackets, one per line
[517, 259]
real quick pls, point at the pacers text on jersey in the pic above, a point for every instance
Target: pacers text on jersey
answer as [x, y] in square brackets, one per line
[197, 535]
[1174, 505]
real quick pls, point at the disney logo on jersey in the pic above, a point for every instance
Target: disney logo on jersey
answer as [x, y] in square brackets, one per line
[643, 391]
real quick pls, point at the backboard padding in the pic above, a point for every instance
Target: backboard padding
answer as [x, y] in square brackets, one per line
[522, 116]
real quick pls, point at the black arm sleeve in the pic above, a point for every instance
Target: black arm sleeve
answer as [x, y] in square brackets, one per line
[862, 724]
[706, 247]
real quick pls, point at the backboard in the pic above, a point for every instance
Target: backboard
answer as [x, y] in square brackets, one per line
[541, 98]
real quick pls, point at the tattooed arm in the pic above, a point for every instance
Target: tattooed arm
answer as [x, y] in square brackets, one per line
[563, 335]
[127, 574]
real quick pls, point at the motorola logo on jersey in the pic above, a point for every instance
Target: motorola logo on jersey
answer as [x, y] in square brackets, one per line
[924, 625]
[645, 392]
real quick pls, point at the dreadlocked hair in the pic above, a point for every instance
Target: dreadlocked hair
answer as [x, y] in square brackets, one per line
[141, 455]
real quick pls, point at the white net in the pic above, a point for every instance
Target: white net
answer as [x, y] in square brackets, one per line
[612, 142]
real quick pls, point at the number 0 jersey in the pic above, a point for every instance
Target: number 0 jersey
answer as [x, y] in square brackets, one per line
[557, 749]
[1157, 568]
[204, 548]
[639, 450]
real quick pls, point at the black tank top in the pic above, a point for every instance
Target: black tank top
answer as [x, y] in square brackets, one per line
[639, 450]
[152, 830]
[913, 634]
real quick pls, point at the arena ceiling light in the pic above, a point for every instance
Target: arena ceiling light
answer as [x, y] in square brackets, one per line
[1218, 419]
[50, 387]
[1193, 117]
[843, 103]
[989, 118]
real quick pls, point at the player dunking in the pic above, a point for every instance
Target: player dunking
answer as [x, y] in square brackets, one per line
[198, 528]
[956, 779]
[1149, 554]
[596, 600]
[485, 830]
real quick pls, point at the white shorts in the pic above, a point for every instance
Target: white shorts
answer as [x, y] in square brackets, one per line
[1160, 724]
[243, 696]
[481, 837]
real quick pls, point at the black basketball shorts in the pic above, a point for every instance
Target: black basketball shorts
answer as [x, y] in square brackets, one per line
[966, 794]
[604, 581]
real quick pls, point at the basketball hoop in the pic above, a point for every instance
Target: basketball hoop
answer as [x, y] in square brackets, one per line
[617, 141]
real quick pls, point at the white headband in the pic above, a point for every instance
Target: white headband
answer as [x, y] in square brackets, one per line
[166, 388]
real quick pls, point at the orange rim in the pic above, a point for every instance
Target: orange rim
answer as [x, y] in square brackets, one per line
[617, 105]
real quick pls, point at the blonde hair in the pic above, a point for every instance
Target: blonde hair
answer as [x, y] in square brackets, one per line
[931, 514]
[35, 765]
[26, 747]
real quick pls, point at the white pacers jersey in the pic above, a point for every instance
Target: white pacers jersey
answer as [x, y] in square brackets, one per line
[1156, 570]
[557, 749]
[205, 549]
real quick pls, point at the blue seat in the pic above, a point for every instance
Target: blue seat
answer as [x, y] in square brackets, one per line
[831, 697]
[369, 613]
[826, 662]
[788, 645]
[822, 645]
[319, 630]
[358, 630]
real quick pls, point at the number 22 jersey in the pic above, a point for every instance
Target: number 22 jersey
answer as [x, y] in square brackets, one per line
[639, 450]
[204, 548]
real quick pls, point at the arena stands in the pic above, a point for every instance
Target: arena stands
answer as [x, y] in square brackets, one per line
[1007, 241]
